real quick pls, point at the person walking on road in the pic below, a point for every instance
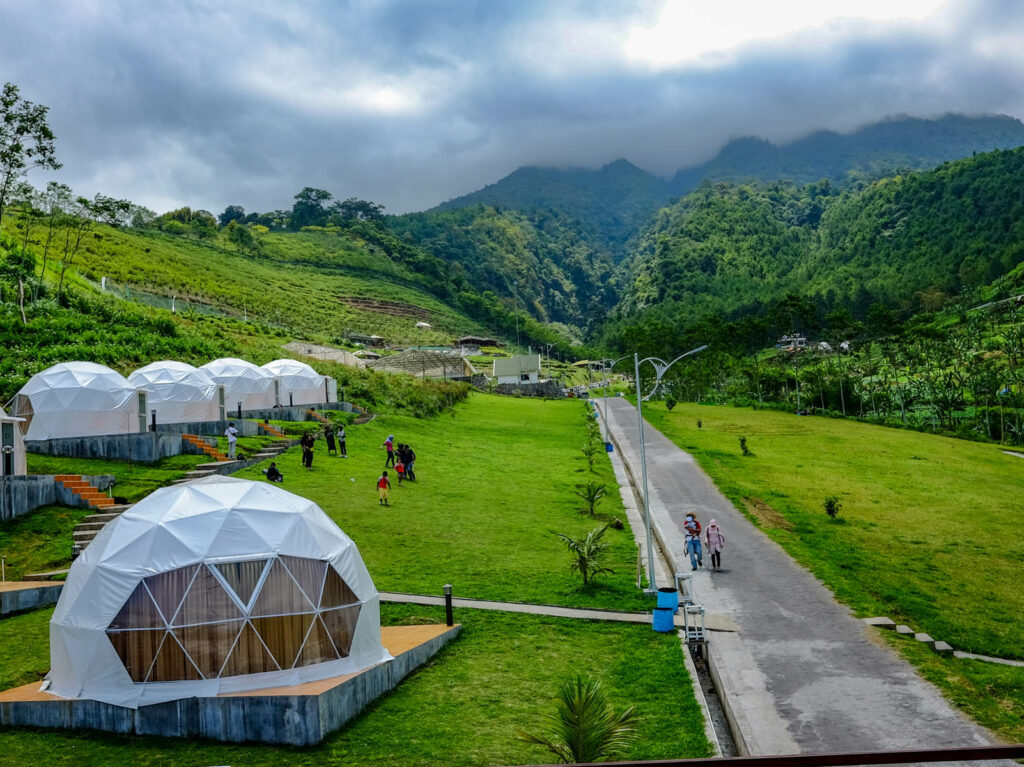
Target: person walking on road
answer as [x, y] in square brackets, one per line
[389, 445]
[715, 541]
[383, 489]
[692, 528]
[232, 434]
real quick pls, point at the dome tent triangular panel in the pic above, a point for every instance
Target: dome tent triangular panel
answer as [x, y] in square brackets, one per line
[244, 382]
[81, 399]
[300, 384]
[96, 624]
[179, 392]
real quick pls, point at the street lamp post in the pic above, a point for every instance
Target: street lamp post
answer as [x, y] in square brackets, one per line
[660, 368]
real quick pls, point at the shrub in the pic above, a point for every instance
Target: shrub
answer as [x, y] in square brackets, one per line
[832, 505]
[587, 553]
[591, 494]
[743, 446]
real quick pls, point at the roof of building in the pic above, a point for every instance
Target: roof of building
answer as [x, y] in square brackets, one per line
[425, 363]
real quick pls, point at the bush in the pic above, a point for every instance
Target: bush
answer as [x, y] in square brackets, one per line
[832, 505]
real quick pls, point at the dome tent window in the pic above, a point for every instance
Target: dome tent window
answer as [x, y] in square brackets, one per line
[232, 618]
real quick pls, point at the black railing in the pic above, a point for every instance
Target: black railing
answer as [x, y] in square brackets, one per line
[925, 755]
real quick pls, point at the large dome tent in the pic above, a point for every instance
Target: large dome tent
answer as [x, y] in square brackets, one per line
[80, 399]
[214, 586]
[244, 382]
[300, 384]
[180, 393]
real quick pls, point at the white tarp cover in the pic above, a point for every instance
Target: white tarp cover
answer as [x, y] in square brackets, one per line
[305, 385]
[207, 525]
[243, 382]
[80, 399]
[179, 392]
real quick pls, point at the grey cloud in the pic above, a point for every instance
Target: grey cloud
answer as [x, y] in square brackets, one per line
[191, 103]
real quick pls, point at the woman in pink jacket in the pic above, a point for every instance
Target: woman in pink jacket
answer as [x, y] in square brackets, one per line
[715, 541]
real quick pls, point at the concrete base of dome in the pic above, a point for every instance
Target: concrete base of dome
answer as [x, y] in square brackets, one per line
[300, 715]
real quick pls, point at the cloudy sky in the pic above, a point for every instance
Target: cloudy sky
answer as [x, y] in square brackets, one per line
[409, 103]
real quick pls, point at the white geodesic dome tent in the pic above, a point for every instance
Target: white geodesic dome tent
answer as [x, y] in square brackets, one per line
[244, 382]
[219, 585]
[179, 392]
[300, 384]
[80, 399]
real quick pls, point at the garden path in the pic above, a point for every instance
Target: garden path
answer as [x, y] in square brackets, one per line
[801, 674]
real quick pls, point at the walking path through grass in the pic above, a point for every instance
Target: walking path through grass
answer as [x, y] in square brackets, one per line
[801, 673]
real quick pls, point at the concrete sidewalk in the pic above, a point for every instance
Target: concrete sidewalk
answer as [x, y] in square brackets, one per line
[801, 674]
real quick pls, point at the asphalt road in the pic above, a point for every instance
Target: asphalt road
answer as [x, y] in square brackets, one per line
[802, 674]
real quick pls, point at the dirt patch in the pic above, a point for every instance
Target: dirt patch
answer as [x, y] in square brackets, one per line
[766, 515]
[392, 308]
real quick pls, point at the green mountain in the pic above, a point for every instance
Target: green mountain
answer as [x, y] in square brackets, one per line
[606, 205]
[539, 258]
[906, 242]
[871, 151]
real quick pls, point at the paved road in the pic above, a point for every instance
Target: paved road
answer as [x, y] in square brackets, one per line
[801, 674]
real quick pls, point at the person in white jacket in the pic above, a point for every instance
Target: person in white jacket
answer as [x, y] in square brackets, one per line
[714, 540]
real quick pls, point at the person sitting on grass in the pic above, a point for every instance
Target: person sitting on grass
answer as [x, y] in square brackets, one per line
[273, 473]
[383, 489]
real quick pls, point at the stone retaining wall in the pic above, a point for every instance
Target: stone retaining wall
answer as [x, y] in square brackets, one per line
[21, 494]
[142, 447]
[542, 389]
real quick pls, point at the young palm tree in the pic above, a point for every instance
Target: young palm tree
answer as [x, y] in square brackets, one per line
[587, 553]
[584, 727]
[591, 494]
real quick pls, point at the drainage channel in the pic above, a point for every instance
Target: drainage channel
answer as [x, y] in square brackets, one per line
[715, 710]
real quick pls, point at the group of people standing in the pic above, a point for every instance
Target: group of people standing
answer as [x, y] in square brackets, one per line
[402, 459]
[713, 540]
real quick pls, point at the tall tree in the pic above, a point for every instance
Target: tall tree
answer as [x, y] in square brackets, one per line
[309, 209]
[26, 141]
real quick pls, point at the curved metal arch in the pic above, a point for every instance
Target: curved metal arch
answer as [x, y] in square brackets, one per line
[661, 367]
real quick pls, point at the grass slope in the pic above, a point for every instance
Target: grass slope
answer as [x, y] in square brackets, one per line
[462, 708]
[495, 483]
[929, 532]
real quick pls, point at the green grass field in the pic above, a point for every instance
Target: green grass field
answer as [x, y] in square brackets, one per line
[495, 483]
[462, 708]
[929, 532]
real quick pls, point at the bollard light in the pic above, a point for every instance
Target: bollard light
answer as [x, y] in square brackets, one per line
[448, 618]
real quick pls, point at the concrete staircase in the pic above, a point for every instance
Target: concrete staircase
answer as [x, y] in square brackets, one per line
[93, 498]
[362, 416]
[86, 530]
[273, 431]
[206, 469]
[201, 445]
[318, 417]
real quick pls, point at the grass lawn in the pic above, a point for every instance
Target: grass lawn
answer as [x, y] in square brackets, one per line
[39, 541]
[462, 708]
[495, 483]
[929, 532]
[134, 480]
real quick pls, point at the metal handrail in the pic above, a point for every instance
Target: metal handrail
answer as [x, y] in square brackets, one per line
[971, 753]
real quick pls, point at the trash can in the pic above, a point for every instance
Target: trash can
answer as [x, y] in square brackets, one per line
[609, 448]
[668, 597]
[662, 620]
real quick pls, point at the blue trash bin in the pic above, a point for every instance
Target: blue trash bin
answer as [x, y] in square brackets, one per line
[609, 448]
[662, 620]
[668, 597]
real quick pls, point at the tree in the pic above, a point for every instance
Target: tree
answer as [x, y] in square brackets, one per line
[587, 553]
[231, 213]
[308, 209]
[241, 236]
[78, 221]
[55, 200]
[591, 494]
[354, 209]
[585, 728]
[26, 141]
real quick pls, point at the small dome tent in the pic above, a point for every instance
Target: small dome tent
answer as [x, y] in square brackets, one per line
[80, 399]
[12, 445]
[244, 382]
[213, 586]
[300, 384]
[179, 392]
